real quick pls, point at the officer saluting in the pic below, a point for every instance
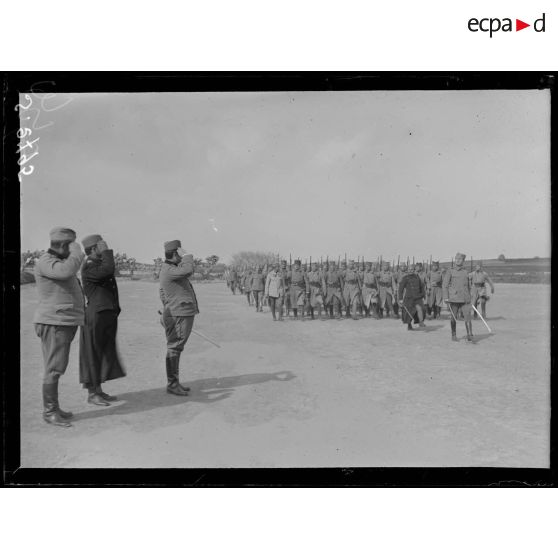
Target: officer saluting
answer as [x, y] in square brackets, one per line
[60, 312]
[98, 356]
[179, 308]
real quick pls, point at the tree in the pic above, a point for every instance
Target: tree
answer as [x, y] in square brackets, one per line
[242, 259]
[501, 258]
[212, 260]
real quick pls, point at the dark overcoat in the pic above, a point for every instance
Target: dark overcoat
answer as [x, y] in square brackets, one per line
[98, 355]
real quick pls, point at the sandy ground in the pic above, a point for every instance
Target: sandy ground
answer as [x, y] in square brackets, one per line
[297, 394]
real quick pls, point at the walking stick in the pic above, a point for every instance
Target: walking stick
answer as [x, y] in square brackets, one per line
[480, 316]
[451, 312]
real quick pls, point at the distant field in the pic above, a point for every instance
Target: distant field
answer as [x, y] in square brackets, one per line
[532, 270]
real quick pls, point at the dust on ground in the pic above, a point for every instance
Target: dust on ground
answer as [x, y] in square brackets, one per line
[332, 393]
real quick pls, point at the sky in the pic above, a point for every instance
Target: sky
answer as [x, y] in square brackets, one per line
[311, 174]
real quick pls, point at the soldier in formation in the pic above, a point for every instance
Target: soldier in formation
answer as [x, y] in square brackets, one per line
[479, 291]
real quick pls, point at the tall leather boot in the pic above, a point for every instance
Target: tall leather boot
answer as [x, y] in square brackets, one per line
[51, 412]
[469, 328]
[453, 331]
[173, 385]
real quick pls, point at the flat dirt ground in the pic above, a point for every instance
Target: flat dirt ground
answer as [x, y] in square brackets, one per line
[295, 394]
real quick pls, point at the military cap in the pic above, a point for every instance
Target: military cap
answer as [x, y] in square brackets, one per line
[62, 234]
[91, 240]
[172, 245]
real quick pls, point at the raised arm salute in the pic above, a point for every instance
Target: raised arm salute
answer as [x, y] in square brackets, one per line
[180, 306]
[60, 312]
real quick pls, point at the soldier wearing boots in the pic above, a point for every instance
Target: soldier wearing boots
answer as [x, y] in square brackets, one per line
[457, 296]
[298, 288]
[60, 312]
[275, 291]
[333, 282]
[370, 291]
[351, 291]
[434, 290]
[179, 309]
[315, 290]
[386, 285]
[479, 292]
[257, 286]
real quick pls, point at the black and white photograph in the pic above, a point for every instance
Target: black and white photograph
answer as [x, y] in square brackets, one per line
[321, 277]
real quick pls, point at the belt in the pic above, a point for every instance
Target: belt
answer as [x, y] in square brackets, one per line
[352, 282]
[369, 285]
[385, 284]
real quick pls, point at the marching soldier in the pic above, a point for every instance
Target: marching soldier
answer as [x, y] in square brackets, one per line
[60, 312]
[457, 296]
[179, 309]
[298, 288]
[370, 291]
[98, 356]
[284, 272]
[411, 299]
[434, 290]
[315, 290]
[478, 279]
[333, 281]
[257, 286]
[246, 283]
[386, 286]
[351, 291]
[233, 279]
[275, 291]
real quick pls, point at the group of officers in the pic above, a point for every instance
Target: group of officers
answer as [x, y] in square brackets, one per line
[92, 305]
[363, 290]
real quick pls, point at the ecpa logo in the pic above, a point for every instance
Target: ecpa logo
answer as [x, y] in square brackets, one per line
[492, 25]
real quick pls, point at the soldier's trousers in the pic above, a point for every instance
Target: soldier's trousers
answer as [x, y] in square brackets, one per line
[177, 331]
[55, 341]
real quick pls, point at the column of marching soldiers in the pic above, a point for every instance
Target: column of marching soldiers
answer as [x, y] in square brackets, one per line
[341, 290]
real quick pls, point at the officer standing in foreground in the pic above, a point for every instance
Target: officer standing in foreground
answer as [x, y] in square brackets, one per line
[457, 296]
[179, 309]
[411, 299]
[60, 312]
[98, 357]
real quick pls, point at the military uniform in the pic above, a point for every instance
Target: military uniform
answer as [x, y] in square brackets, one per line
[434, 291]
[180, 306]
[98, 356]
[298, 285]
[457, 292]
[257, 286]
[315, 291]
[233, 280]
[351, 290]
[370, 292]
[56, 319]
[479, 291]
[386, 287]
[333, 280]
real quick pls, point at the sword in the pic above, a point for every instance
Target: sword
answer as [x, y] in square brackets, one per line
[451, 312]
[205, 337]
[480, 316]
[404, 291]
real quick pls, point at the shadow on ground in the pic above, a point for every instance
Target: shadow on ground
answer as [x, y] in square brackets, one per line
[204, 390]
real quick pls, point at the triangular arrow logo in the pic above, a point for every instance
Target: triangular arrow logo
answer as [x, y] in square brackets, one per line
[519, 25]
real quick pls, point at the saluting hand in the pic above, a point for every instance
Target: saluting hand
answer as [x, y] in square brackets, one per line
[74, 248]
[102, 246]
